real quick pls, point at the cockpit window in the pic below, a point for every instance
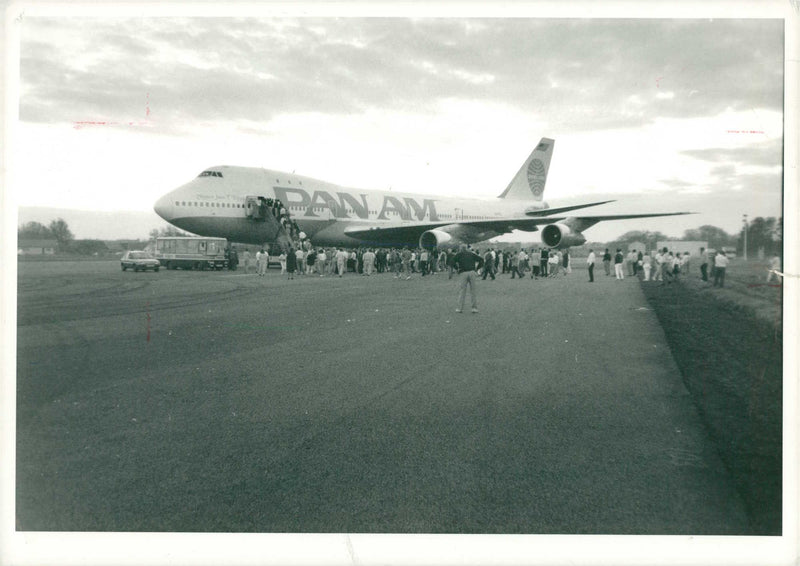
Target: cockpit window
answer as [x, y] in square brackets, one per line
[210, 174]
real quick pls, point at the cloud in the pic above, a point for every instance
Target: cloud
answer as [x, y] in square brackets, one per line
[761, 154]
[579, 73]
[723, 171]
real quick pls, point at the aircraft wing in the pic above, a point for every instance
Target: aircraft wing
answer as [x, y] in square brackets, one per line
[403, 232]
[581, 223]
[411, 231]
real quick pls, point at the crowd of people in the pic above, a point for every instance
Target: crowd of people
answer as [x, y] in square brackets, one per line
[406, 262]
[276, 208]
[663, 266]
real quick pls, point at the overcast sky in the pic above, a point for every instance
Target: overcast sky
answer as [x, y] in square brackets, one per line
[667, 114]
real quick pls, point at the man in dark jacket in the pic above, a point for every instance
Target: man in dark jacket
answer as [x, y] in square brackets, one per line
[466, 263]
[488, 264]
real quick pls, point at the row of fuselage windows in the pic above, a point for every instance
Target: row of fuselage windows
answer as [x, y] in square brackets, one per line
[316, 209]
[391, 213]
[211, 204]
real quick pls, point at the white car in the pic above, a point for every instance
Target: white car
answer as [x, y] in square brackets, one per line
[139, 261]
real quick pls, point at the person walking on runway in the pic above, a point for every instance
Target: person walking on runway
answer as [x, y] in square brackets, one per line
[607, 262]
[618, 266]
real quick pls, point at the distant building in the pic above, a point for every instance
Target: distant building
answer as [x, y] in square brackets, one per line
[683, 246]
[37, 247]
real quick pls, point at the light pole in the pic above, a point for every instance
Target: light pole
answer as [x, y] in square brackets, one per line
[745, 236]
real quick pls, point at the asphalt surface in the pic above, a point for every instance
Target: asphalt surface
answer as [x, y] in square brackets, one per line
[218, 401]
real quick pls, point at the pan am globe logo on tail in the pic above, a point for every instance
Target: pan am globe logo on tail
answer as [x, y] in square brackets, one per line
[536, 176]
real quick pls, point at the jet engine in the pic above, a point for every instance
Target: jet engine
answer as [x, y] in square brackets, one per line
[561, 236]
[435, 239]
[452, 235]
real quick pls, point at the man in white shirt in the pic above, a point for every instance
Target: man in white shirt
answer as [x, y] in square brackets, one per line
[423, 261]
[301, 261]
[369, 262]
[659, 259]
[720, 263]
[590, 263]
[262, 259]
[321, 259]
[341, 261]
[246, 260]
[647, 264]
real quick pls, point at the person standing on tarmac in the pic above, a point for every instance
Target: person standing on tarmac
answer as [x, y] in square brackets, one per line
[466, 264]
[233, 259]
[545, 261]
[282, 259]
[369, 262]
[618, 268]
[405, 258]
[488, 265]
[291, 262]
[300, 257]
[262, 259]
[590, 263]
[341, 261]
[246, 260]
[704, 265]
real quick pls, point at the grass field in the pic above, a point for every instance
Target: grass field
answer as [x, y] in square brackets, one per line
[728, 346]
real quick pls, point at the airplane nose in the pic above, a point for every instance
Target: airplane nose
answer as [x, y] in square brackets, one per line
[163, 207]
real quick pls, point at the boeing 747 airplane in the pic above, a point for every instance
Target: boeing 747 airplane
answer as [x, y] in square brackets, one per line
[260, 206]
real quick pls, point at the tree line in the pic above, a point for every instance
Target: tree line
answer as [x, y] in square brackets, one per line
[762, 233]
[59, 231]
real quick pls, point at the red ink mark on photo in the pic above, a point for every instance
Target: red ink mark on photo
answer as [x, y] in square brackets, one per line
[147, 107]
[83, 124]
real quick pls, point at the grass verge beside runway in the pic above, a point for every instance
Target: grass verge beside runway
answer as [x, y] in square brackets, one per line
[731, 361]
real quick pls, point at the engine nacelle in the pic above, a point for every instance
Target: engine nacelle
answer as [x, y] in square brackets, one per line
[451, 235]
[561, 236]
[436, 239]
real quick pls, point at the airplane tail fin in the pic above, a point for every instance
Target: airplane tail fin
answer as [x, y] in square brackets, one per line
[528, 183]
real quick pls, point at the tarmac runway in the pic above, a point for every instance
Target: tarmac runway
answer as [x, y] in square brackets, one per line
[218, 401]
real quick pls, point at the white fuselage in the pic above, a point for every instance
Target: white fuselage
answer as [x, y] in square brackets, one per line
[213, 204]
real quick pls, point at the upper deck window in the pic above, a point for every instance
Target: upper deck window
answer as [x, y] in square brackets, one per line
[210, 174]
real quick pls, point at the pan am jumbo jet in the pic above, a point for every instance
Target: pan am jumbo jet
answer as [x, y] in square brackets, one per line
[229, 202]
